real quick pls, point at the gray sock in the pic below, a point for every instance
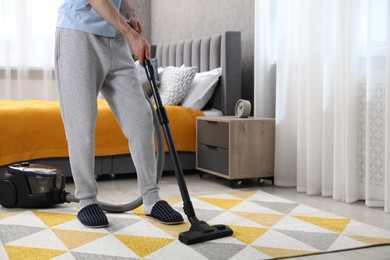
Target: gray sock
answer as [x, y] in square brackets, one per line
[148, 208]
[86, 202]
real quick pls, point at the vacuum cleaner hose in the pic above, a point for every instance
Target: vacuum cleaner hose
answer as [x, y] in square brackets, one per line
[120, 208]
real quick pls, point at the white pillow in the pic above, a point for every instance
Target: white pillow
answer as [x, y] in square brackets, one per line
[174, 84]
[201, 89]
[161, 69]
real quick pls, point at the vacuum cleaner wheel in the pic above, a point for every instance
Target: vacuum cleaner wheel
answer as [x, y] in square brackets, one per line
[8, 194]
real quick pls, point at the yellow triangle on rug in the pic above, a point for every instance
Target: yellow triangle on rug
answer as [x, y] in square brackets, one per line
[276, 252]
[22, 253]
[247, 234]
[144, 246]
[371, 240]
[8, 214]
[225, 204]
[334, 224]
[267, 220]
[73, 239]
[173, 230]
[53, 219]
[243, 194]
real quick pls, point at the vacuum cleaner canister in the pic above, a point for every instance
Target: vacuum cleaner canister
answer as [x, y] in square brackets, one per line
[27, 185]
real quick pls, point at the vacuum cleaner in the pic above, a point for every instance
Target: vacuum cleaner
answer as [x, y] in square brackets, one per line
[28, 185]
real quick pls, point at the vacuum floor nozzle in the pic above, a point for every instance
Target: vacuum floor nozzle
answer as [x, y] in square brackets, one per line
[194, 235]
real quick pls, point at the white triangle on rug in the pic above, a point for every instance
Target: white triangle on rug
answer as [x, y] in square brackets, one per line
[273, 238]
[200, 204]
[267, 197]
[247, 206]
[77, 226]
[361, 229]
[291, 223]
[61, 210]
[229, 218]
[303, 210]
[145, 229]
[107, 245]
[3, 253]
[27, 218]
[178, 205]
[228, 240]
[176, 250]
[250, 253]
[124, 215]
[43, 239]
[344, 242]
[66, 256]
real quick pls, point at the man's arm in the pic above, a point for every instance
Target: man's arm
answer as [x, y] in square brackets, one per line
[109, 13]
[127, 10]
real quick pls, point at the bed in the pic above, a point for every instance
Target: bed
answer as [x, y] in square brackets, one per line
[112, 157]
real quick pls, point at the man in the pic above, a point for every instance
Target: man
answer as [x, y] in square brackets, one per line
[92, 56]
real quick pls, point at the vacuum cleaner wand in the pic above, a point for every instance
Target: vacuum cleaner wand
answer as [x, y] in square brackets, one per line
[199, 231]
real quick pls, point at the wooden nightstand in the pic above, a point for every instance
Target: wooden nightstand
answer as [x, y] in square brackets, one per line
[235, 148]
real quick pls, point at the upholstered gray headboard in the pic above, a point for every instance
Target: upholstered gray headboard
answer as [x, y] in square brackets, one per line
[223, 50]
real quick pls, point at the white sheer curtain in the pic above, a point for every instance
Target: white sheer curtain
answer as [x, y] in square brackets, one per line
[332, 96]
[27, 29]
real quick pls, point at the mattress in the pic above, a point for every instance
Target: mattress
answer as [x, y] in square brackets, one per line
[33, 129]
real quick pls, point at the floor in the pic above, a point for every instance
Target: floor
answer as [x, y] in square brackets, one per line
[120, 189]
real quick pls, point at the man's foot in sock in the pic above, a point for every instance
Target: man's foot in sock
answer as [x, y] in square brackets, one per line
[92, 216]
[165, 214]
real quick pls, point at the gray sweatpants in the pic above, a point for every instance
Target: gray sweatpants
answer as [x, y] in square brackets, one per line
[87, 64]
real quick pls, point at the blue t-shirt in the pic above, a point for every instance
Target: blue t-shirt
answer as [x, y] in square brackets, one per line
[80, 15]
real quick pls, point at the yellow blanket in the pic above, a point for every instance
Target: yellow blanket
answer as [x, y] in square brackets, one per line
[33, 129]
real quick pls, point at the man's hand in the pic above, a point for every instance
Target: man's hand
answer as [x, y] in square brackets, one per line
[136, 25]
[140, 48]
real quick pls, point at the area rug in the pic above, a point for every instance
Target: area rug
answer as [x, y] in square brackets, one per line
[265, 227]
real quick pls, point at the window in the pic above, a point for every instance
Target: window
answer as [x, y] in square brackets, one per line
[373, 23]
[27, 32]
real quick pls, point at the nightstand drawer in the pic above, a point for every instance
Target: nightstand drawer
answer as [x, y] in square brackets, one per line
[213, 158]
[213, 133]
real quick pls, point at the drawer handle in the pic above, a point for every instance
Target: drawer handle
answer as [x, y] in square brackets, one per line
[211, 147]
[212, 122]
